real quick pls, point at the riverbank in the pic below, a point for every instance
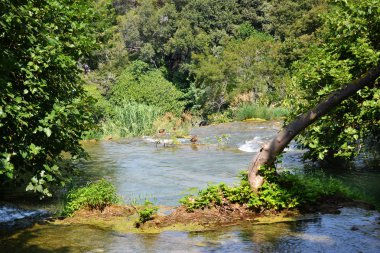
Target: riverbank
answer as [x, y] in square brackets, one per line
[125, 219]
[179, 169]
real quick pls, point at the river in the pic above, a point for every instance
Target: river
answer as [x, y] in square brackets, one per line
[141, 169]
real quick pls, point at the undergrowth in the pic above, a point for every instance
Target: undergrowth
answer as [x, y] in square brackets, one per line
[130, 119]
[247, 111]
[285, 191]
[147, 212]
[96, 195]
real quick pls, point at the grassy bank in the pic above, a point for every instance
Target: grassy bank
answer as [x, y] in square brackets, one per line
[128, 120]
[248, 111]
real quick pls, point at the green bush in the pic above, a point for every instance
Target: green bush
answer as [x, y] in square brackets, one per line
[96, 195]
[216, 195]
[147, 212]
[247, 111]
[131, 119]
[308, 189]
[127, 120]
[285, 191]
[144, 85]
[43, 108]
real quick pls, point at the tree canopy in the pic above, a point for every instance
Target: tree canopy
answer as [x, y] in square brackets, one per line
[350, 48]
[210, 57]
[338, 83]
[43, 109]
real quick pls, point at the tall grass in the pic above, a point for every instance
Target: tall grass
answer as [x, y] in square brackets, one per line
[248, 111]
[127, 120]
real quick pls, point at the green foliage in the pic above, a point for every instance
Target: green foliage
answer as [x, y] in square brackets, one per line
[218, 195]
[43, 108]
[250, 65]
[213, 50]
[129, 119]
[104, 26]
[147, 28]
[350, 48]
[293, 18]
[248, 111]
[284, 191]
[96, 195]
[141, 84]
[147, 212]
[310, 188]
[211, 15]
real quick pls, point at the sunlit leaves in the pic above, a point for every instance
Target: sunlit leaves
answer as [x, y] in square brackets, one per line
[249, 65]
[351, 35]
[142, 84]
[43, 109]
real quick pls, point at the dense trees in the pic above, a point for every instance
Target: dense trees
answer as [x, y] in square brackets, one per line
[157, 56]
[43, 110]
[351, 47]
[244, 66]
[142, 84]
[348, 115]
[223, 54]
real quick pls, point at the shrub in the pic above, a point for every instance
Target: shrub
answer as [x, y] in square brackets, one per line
[285, 191]
[147, 212]
[144, 85]
[97, 195]
[247, 111]
[127, 120]
[131, 119]
[43, 108]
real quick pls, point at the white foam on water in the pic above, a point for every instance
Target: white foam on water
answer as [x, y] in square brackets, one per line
[165, 141]
[258, 141]
[10, 213]
[252, 145]
[150, 139]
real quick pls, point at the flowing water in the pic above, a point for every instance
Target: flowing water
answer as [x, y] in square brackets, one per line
[141, 169]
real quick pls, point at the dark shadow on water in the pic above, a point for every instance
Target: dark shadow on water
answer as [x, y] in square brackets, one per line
[21, 244]
[57, 238]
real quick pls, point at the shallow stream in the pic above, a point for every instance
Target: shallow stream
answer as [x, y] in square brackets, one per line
[141, 169]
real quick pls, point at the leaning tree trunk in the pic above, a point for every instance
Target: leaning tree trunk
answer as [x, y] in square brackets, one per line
[268, 153]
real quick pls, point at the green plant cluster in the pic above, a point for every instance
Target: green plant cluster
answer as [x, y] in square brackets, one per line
[285, 191]
[248, 111]
[96, 195]
[220, 117]
[130, 119]
[147, 212]
[142, 84]
[351, 47]
[43, 108]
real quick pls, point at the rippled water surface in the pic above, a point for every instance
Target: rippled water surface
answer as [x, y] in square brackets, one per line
[141, 169]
